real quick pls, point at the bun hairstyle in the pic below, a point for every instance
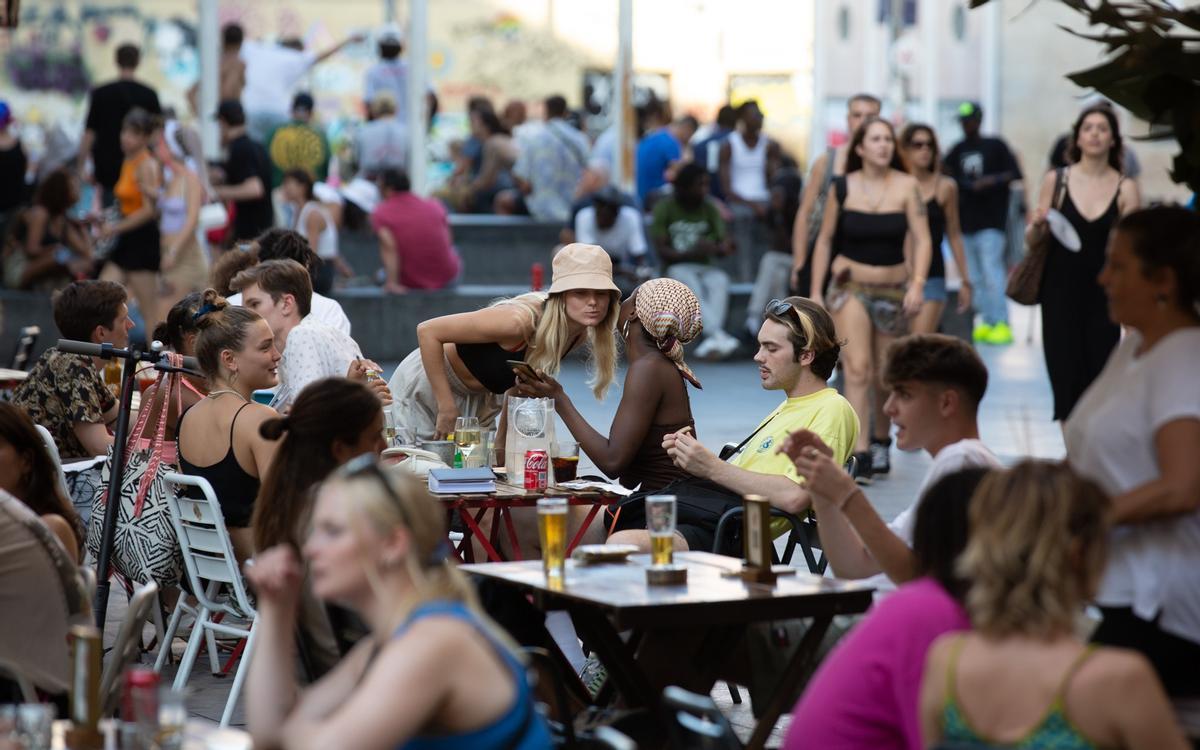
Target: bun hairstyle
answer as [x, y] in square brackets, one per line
[181, 320]
[222, 326]
[326, 412]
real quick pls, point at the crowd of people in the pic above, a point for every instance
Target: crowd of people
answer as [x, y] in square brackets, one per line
[980, 635]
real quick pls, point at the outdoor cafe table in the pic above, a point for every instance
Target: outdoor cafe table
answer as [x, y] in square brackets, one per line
[682, 633]
[9, 380]
[473, 508]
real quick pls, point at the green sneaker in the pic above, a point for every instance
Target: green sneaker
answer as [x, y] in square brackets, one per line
[1001, 335]
[982, 332]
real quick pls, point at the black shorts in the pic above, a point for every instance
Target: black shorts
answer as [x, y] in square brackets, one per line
[1173, 658]
[138, 249]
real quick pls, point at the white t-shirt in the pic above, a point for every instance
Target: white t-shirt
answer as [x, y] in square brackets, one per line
[1155, 566]
[272, 72]
[624, 240]
[311, 352]
[322, 308]
[955, 457]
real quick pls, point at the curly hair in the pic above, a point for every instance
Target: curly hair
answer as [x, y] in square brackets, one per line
[1038, 540]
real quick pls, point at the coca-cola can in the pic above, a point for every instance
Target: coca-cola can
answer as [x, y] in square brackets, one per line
[139, 696]
[537, 468]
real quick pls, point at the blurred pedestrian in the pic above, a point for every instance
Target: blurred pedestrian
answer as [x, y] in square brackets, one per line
[298, 144]
[184, 264]
[14, 191]
[547, 169]
[316, 224]
[1078, 335]
[45, 249]
[416, 248]
[247, 175]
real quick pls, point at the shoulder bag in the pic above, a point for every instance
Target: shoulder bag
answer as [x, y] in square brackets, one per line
[1025, 281]
[145, 547]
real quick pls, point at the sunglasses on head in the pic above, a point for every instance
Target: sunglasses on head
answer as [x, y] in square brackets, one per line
[368, 465]
[778, 307]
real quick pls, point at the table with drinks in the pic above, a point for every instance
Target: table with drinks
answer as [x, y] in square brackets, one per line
[9, 380]
[684, 613]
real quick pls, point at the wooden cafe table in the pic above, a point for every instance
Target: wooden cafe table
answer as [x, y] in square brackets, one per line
[473, 508]
[681, 633]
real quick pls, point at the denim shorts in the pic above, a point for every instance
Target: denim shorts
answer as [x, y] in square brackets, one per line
[935, 289]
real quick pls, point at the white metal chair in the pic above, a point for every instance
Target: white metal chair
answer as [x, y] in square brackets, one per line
[210, 565]
[128, 645]
[52, 448]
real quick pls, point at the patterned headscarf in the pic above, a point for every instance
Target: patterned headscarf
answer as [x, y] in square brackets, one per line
[670, 313]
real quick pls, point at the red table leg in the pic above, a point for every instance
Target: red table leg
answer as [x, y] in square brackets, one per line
[473, 526]
[587, 522]
[512, 533]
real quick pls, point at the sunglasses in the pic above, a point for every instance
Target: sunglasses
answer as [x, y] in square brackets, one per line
[368, 465]
[778, 307]
[921, 144]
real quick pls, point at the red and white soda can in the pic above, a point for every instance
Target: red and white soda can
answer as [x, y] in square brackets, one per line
[537, 469]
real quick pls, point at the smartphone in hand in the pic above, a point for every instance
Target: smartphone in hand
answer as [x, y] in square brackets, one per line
[523, 369]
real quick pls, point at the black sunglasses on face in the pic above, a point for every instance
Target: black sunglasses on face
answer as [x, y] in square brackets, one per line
[921, 144]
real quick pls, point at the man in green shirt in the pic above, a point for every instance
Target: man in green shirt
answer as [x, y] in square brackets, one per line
[298, 144]
[689, 235]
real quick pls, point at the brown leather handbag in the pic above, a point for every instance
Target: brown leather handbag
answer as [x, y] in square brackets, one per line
[1025, 281]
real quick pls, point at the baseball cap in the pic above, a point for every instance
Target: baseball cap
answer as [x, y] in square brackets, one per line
[230, 112]
[303, 101]
[580, 266]
[967, 110]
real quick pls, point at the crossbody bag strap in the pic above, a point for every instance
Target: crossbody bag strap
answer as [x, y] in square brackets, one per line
[751, 435]
[1060, 187]
[168, 382]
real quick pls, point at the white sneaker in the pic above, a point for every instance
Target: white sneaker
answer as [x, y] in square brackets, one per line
[708, 348]
[727, 344]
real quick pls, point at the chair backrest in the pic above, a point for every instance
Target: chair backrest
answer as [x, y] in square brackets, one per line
[128, 644]
[607, 738]
[205, 544]
[694, 721]
[23, 354]
[52, 448]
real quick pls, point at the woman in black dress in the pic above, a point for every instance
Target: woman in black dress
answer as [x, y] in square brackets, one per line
[1077, 333]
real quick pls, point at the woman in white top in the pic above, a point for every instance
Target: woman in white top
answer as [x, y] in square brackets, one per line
[316, 224]
[1136, 432]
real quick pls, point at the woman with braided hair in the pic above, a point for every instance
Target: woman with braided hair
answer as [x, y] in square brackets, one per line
[657, 319]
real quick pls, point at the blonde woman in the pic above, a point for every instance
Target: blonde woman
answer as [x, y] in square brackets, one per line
[1038, 542]
[461, 365]
[435, 673]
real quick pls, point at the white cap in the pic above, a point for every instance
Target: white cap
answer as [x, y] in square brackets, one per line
[391, 33]
[361, 193]
[326, 193]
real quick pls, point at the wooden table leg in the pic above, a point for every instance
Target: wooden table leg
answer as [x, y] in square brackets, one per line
[587, 522]
[595, 629]
[788, 681]
[512, 533]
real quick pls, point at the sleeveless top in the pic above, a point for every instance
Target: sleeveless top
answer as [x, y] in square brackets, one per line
[519, 728]
[126, 190]
[651, 467]
[937, 231]
[1054, 732]
[488, 362]
[173, 212]
[327, 243]
[871, 239]
[236, 489]
[748, 167]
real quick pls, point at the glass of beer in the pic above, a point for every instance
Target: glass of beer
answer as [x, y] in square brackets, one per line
[112, 376]
[565, 459]
[660, 522]
[552, 530]
[467, 438]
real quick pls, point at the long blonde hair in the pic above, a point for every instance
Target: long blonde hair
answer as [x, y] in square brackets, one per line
[546, 336]
[379, 500]
[1037, 546]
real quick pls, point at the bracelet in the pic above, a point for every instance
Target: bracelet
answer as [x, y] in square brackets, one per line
[841, 504]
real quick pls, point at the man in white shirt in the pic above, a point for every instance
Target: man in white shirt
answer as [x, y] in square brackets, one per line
[937, 383]
[281, 292]
[617, 228]
[285, 244]
[272, 71]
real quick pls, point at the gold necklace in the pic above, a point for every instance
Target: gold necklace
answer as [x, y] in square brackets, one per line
[214, 394]
[869, 200]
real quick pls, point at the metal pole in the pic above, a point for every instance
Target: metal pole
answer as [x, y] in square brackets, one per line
[112, 507]
[991, 69]
[926, 16]
[209, 39]
[418, 76]
[820, 53]
[623, 167]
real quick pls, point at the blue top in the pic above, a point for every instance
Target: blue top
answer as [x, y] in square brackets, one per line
[520, 728]
[655, 153]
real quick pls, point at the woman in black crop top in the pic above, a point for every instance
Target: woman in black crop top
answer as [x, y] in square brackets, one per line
[461, 365]
[876, 287]
[919, 146]
[219, 437]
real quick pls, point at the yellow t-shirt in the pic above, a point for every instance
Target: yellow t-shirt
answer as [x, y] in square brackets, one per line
[824, 412]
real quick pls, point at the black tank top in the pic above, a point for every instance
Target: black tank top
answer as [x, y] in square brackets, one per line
[489, 364]
[871, 239]
[236, 489]
[937, 231]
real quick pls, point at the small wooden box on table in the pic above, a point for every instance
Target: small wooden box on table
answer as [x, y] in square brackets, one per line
[474, 508]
